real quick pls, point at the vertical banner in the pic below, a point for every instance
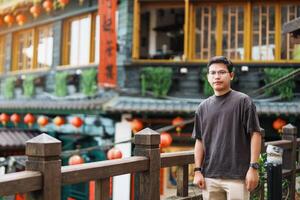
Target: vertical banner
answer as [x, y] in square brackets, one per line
[107, 70]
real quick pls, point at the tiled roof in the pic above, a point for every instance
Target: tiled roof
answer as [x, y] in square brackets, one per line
[148, 105]
[14, 140]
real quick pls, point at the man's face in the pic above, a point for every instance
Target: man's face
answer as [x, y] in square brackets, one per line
[219, 77]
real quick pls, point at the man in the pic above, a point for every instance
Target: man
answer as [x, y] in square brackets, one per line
[228, 139]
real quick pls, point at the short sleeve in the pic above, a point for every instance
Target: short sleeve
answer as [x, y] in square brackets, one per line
[197, 127]
[251, 118]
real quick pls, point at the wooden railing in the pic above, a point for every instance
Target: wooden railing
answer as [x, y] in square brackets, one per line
[44, 175]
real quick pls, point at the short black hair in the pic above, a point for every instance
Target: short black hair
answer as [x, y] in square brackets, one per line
[221, 59]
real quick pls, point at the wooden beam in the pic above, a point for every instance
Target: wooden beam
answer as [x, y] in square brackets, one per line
[136, 30]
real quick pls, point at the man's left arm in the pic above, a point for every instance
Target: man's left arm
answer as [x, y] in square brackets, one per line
[252, 177]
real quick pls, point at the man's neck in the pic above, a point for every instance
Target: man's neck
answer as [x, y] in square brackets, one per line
[220, 93]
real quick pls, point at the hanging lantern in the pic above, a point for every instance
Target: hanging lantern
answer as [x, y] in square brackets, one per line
[15, 118]
[1, 21]
[48, 5]
[43, 121]
[29, 119]
[114, 153]
[77, 122]
[63, 3]
[165, 139]
[4, 118]
[35, 10]
[136, 125]
[75, 160]
[20, 18]
[176, 122]
[9, 19]
[58, 121]
[278, 124]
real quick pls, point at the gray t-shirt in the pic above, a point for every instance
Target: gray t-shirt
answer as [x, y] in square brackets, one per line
[225, 124]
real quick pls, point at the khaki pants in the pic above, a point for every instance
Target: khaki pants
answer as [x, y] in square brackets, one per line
[222, 189]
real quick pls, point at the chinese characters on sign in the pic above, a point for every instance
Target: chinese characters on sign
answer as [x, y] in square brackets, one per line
[107, 75]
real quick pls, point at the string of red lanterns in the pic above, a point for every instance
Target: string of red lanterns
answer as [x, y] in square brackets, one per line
[114, 153]
[165, 140]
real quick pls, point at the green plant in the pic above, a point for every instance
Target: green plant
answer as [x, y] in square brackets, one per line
[285, 90]
[61, 84]
[9, 86]
[156, 79]
[207, 89]
[88, 82]
[28, 86]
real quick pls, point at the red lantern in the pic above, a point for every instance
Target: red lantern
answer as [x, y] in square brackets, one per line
[29, 119]
[278, 124]
[75, 160]
[165, 139]
[114, 153]
[48, 5]
[136, 125]
[15, 118]
[1, 21]
[4, 118]
[42, 121]
[176, 122]
[58, 121]
[35, 10]
[9, 19]
[21, 19]
[63, 3]
[77, 122]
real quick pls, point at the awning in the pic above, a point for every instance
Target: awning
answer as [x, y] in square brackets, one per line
[12, 141]
[138, 105]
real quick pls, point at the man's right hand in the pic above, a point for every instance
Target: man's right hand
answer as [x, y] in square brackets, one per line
[199, 180]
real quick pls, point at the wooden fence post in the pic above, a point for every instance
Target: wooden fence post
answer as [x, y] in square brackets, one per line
[147, 144]
[289, 156]
[43, 154]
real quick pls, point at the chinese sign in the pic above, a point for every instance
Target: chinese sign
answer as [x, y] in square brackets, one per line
[107, 75]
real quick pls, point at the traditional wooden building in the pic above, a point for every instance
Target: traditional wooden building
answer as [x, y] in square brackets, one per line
[57, 62]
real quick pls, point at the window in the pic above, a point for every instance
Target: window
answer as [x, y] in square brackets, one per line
[81, 46]
[233, 32]
[263, 32]
[290, 46]
[161, 33]
[33, 48]
[205, 32]
[2, 53]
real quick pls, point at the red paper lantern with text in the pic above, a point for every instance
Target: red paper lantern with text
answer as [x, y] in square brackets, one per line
[58, 121]
[136, 125]
[43, 121]
[165, 139]
[4, 118]
[9, 19]
[77, 122]
[21, 19]
[75, 160]
[29, 119]
[48, 5]
[176, 121]
[114, 153]
[35, 10]
[15, 118]
[278, 124]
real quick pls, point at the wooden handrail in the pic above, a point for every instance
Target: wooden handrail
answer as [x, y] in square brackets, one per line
[177, 158]
[285, 144]
[20, 182]
[103, 169]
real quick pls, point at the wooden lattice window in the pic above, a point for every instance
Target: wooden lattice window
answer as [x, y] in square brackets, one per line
[45, 46]
[290, 46]
[263, 32]
[205, 31]
[233, 32]
[2, 53]
[24, 50]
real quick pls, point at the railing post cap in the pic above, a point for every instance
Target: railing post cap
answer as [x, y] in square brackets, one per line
[147, 136]
[43, 145]
[289, 129]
